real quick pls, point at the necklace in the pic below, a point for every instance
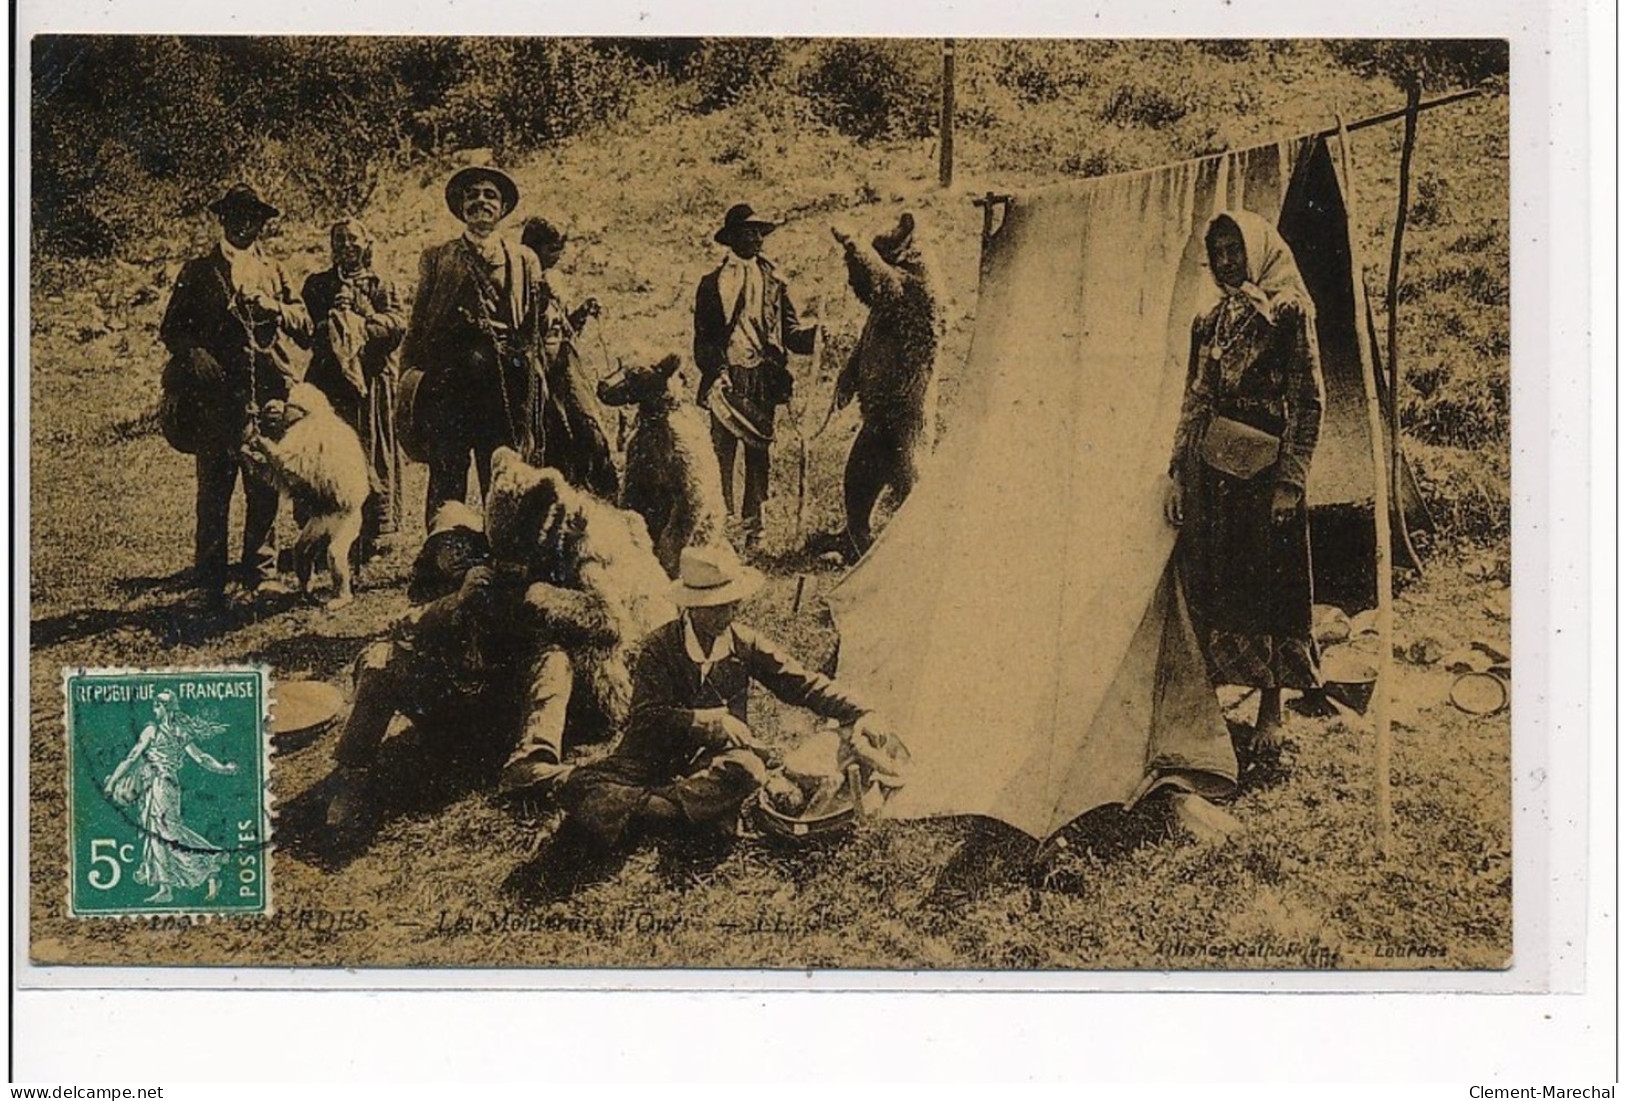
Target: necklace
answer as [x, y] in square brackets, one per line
[1231, 324]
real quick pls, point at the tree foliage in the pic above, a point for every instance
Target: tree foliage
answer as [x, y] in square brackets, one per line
[129, 128]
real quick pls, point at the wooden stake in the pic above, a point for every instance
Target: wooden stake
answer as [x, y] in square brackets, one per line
[1385, 572]
[801, 429]
[1413, 99]
[945, 161]
[988, 202]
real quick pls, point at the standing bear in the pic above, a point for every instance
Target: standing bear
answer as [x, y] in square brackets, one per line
[892, 373]
[672, 477]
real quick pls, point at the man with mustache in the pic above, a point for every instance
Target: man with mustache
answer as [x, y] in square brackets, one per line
[474, 334]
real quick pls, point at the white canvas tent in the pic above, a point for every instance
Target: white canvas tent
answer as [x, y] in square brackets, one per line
[1017, 620]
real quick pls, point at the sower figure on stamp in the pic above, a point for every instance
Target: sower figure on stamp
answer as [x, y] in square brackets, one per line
[891, 373]
[359, 323]
[568, 435]
[688, 758]
[233, 329]
[745, 328]
[474, 334]
[148, 780]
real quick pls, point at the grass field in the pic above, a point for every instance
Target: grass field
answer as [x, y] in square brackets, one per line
[110, 537]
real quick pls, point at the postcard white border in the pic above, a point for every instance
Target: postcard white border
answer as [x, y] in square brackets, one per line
[1563, 532]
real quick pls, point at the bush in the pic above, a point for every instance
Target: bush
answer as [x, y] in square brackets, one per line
[110, 116]
[724, 69]
[673, 56]
[874, 88]
[513, 95]
[1093, 162]
[1228, 49]
[1467, 492]
[1139, 105]
[1044, 71]
[1438, 64]
[129, 129]
[1431, 205]
[1455, 405]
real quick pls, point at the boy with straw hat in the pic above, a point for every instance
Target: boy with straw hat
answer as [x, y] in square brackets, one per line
[689, 757]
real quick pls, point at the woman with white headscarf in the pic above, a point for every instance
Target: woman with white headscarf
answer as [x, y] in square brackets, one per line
[1246, 436]
[359, 324]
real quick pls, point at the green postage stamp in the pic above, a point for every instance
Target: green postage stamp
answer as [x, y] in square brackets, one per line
[167, 796]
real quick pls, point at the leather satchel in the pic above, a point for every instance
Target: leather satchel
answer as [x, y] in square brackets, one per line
[1238, 449]
[191, 401]
[778, 384]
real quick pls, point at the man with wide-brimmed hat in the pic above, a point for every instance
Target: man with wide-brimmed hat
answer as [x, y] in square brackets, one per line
[689, 757]
[235, 331]
[473, 334]
[745, 328]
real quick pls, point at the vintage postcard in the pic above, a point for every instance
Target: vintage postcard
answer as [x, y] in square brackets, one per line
[894, 504]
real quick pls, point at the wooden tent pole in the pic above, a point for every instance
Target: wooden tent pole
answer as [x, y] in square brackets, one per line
[1413, 98]
[1384, 553]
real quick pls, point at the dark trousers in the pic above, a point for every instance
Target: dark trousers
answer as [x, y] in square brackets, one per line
[756, 475]
[604, 799]
[474, 720]
[476, 429]
[448, 473]
[217, 469]
[881, 456]
[476, 411]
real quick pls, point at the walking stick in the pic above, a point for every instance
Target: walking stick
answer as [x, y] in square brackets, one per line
[622, 429]
[1385, 576]
[801, 435]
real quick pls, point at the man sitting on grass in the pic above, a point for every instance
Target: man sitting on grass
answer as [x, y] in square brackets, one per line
[689, 759]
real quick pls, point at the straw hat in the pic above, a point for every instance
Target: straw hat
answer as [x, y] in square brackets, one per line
[739, 415]
[707, 576]
[465, 176]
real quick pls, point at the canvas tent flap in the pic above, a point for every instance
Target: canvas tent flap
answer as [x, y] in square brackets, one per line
[1017, 621]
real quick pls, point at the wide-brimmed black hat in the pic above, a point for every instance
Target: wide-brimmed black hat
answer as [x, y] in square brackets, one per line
[741, 216]
[241, 196]
[465, 176]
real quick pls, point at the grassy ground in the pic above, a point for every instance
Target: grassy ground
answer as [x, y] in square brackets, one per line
[443, 883]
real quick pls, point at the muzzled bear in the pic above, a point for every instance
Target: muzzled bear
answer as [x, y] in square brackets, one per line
[672, 477]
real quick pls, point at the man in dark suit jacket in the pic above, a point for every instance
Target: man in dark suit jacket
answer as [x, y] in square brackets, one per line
[474, 334]
[688, 755]
[233, 328]
[744, 329]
